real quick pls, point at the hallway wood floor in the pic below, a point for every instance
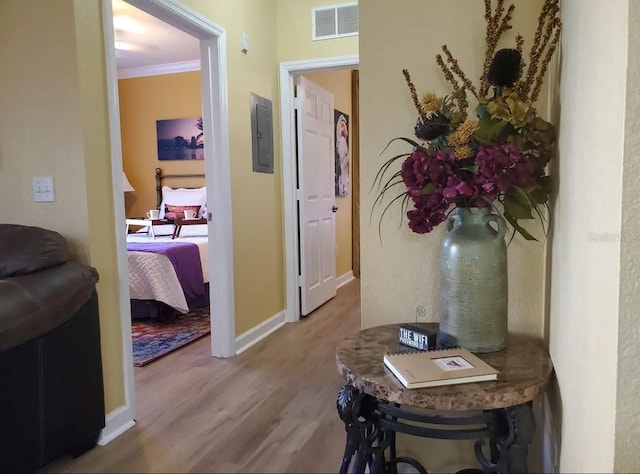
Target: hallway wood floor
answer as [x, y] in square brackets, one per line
[270, 409]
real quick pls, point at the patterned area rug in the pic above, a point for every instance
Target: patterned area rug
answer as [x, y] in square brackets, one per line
[153, 339]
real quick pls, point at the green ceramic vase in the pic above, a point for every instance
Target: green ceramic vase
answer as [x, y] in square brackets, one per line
[474, 289]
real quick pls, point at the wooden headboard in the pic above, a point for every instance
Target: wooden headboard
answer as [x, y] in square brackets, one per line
[159, 182]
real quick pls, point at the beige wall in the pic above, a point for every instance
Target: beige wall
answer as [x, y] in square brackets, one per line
[294, 33]
[338, 83]
[143, 100]
[53, 121]
[627, 447]
[35, 124]
[585, 275]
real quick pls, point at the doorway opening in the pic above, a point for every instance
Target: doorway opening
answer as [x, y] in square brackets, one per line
[288, 73]
[212, 41]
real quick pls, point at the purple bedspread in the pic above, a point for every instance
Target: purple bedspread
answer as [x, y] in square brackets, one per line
[185, 258]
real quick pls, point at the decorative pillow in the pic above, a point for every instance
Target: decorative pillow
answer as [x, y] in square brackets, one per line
[182, 197]
[177, 212]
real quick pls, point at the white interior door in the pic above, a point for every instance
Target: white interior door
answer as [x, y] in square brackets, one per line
[316, 197]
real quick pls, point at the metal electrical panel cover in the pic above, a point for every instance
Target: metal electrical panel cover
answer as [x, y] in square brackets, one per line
[262, 134]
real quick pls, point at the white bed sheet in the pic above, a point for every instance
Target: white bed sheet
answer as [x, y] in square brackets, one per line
[152, 276]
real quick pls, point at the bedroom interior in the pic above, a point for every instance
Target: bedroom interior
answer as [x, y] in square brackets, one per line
[168, 273]
[167, 254]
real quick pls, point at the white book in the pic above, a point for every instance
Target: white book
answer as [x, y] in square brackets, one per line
[439, 367]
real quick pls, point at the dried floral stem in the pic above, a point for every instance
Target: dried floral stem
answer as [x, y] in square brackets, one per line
[547, 18]
[504, 26]
[538, 35]
[498, 13]
[551, 21]
[545, 39]
[519, 46]
[497, 24]
[414, 95]
[456, 69]
[545, 63]
[488, 18]
[487, 11]
[459, 93]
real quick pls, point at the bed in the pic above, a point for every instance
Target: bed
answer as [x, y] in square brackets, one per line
[169, 276]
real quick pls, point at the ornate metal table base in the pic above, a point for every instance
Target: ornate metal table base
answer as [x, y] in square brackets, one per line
[372, 425]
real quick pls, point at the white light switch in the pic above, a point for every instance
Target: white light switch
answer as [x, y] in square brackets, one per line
[43, 189]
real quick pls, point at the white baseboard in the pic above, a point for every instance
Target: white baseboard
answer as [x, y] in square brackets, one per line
[117, 422]
[247, 339]
[344, 279]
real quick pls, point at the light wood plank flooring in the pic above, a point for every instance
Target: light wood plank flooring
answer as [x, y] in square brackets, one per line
[270, 409]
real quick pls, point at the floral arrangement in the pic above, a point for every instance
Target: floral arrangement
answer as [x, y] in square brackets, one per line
[498, 157]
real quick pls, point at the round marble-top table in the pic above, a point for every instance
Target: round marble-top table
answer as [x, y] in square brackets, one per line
[374, 405]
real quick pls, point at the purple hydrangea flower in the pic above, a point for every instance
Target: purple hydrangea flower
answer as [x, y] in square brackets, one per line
[436, 181]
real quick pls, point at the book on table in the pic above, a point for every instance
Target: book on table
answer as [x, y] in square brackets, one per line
[439, 367]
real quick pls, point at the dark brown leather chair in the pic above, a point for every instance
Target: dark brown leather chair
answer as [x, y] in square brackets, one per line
[51, 389]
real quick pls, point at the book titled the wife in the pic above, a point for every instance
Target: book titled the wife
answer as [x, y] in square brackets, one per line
[439, 367]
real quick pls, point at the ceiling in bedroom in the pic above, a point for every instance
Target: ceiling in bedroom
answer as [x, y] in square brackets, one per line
[142, 40]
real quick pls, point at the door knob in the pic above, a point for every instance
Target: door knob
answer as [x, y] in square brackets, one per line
[334, 209]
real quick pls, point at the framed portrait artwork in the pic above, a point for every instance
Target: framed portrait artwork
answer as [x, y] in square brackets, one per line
[342, 153]
[180, 139]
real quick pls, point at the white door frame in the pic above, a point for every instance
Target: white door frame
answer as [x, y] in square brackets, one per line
[289, 169]
[213, 53]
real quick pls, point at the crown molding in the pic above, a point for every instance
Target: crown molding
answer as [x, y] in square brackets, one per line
[158, 69]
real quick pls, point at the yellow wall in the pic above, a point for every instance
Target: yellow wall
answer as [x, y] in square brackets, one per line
[257, 197]
[338, 83]
[143, 100]
[402, 273]
[294, 33]
[53, 121]
[294, 44]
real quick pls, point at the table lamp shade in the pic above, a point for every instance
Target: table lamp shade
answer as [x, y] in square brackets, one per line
[126, 185]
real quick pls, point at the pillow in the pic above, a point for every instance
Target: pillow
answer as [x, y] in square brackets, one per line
[177, 212]
[183, 197]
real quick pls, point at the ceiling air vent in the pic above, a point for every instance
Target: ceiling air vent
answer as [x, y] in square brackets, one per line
[334, 22]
